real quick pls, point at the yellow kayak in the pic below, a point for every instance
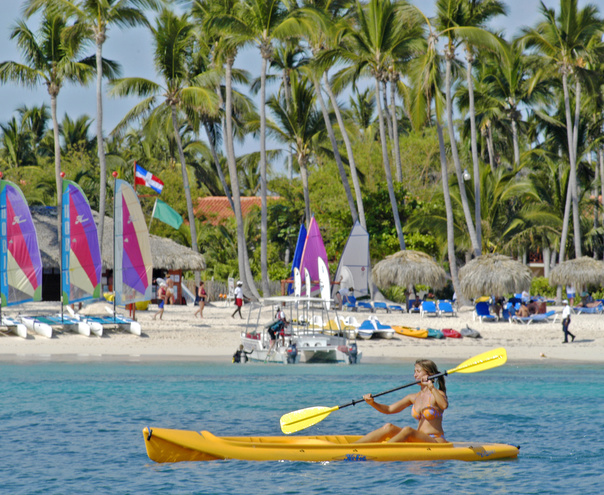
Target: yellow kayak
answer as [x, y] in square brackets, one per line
[418, 333]
[165, 445]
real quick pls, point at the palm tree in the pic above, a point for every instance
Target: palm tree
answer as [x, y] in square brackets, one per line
[93, 19]
[173, 36]
[259, 22]
[299, 126]
[382, 33]
[563, 41]
[52, 59]
[226, 45]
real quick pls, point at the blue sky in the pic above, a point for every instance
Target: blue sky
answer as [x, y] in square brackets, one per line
[132, 48]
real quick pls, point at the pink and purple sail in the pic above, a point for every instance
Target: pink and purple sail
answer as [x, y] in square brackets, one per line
[20, 262]
[80, 254]
[313, 250]
[133, 267]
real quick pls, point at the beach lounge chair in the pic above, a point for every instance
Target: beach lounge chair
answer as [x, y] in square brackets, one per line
[396, 307]
[411, 308]
[380, 305]
[596, 310]
[351, 304]
[428, 308]
[482, 313]
[365, 305]
[508, 312]
[527, 320]
[446, 308]
[231, 295]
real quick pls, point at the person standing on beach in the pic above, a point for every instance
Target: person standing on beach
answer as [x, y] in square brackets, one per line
[161, 295]
[428, 406]
[238, 299]
[566, 323]
[201, 300]
[170, 290]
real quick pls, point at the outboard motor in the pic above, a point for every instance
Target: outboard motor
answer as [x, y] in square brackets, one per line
[292, 353]
[353, 352]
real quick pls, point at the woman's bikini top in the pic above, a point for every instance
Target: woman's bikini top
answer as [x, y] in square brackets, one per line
[428, 413]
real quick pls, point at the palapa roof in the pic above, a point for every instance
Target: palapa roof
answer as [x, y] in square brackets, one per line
[407, 268]
[165, 253]
[493, 274]
[579, 272]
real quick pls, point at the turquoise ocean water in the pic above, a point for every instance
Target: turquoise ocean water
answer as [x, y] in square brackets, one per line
[70, 428]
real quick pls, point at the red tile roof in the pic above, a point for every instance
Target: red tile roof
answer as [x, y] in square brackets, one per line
[217, 208]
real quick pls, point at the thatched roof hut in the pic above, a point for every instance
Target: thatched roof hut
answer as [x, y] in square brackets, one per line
[493, 274]
[165, 253]
[579, 272]
[407, 268]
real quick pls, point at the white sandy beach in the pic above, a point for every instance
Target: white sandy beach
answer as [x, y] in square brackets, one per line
[215, 337]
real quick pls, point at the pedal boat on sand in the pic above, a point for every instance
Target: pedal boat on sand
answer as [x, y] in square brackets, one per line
[164, 445]
[305, 339]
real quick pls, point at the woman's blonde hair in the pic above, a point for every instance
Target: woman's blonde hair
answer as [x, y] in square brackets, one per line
[430, 367]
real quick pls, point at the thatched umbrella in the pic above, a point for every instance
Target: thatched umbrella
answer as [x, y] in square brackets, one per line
[493, 274]
[579, 272]
[407, 268]
[165, 253]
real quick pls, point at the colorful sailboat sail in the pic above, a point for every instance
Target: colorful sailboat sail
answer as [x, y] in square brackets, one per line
[20, 262]
[313, 250]
[298, 254]
[80, 252]
[354, 267]
[132, 258]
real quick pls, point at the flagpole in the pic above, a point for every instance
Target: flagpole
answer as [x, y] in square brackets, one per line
[152, 213]
[114, 265]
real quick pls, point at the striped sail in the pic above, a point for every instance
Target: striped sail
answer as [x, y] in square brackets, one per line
[133, 267]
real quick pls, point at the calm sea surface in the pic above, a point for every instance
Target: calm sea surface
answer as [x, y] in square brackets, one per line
[72, 428]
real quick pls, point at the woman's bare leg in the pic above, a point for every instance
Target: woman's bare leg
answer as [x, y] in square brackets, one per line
[387, 431]
[408, 434]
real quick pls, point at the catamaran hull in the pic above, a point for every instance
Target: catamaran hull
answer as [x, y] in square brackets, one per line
[15, 327]
[38, 327]
[164, 445]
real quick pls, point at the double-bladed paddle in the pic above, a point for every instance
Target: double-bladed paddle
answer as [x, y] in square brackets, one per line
[304, 418]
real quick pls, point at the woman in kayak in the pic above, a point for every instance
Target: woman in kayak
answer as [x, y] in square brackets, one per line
[427, 407]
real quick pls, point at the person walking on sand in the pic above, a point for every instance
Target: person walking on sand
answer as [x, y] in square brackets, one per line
[201, 300]
[566, 322]
[239, 297]
[161, 295]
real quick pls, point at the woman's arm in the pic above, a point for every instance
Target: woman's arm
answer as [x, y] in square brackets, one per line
[392, 408]
[440, 399]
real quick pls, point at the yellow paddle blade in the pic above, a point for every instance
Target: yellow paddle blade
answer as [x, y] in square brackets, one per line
[481, 362]
[304, 418]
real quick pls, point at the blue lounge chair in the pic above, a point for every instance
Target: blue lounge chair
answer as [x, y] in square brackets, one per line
[428, 308]
[446, 308]
[508, 312]
[364, 305]
[527, 320]
[596, 310]
[481, 311]
[411, 306]
[396, 307]
[380, 305]
[351, 304]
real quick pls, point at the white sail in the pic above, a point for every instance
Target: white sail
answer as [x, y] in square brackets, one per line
[354, 267]
[324, 283]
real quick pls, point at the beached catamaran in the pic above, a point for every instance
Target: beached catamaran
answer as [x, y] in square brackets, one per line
[355, 266]
[20, 262]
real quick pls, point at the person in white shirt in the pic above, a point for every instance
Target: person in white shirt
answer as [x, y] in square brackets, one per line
[566, 322]
[238, 299]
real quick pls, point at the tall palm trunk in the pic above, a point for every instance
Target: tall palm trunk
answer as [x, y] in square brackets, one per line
[100, 38]
[490, 147]
[572, 153]
[565, 222]
[515, 141]
[385, 109]
[186, 187]
[288, 104]
[454, 153]
[263, 208]
[244, 267]
[336, 151]
[304, 176]
[353, 168]
[474, 146]
[219, 171]
[396, 145]
[386, 161]
[449, 211]
[54, 91]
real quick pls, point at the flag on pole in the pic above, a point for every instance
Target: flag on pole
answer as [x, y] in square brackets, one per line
[144, 178]
[166, 214]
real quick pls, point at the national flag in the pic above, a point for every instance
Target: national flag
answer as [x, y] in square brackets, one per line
[166, 214]
[144, 178]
